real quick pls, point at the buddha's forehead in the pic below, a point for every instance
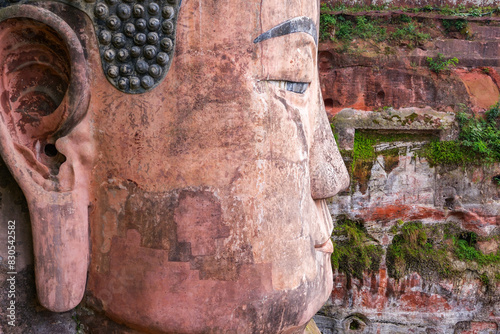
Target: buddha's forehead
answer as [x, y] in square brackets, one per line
[231, 21]
[274, 12]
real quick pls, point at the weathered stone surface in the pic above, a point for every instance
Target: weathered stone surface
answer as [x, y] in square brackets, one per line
[193, 207]
[45, 93]
[403, 186]
[488, 246]
[311, 328]
[412, 120]
[411, 3]
[413, 190]
[372, 81]
[410, 305]
[192, 228]
[29, 315]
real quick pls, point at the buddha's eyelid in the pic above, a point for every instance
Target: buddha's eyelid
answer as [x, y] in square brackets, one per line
[291, 86]
[297, 24]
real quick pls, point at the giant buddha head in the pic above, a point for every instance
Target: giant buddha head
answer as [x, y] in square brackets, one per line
[183, 151]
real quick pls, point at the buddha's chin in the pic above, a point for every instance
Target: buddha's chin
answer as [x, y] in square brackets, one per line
[318, 290]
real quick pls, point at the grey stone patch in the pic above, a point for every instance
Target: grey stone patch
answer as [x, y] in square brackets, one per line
[416, 120]
[326, 324]
[30, 317]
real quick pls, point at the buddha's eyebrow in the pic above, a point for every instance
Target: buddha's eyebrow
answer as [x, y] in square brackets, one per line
[297, 24]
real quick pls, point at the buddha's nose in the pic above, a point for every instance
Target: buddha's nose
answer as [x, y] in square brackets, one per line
[327, 169]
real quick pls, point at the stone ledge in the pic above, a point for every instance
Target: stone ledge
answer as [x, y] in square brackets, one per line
[416, 120]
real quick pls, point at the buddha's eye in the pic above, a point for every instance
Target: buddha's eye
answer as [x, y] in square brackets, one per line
[295, 87]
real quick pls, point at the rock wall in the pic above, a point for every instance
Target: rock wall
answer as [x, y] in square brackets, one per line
[403, 187]
[401, 78]
[403, 184]
[433, 224]
[378, 304]
[411, 3]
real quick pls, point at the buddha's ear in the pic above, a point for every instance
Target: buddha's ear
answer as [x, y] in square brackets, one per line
[45, 142]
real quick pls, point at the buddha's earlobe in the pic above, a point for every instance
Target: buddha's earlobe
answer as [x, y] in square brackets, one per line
[45, 142]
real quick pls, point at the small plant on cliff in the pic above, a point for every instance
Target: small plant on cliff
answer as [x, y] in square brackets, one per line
[354, 251]
[482, 135]
[78, 324]
[325, 7]
[412, 251]
[478, 141]
[369, 29]
[465, 250]
[459, 25]
[409, 35]
[327, 26]
[440, 64]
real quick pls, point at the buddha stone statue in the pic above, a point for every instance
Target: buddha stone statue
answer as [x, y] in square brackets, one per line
[175, 158]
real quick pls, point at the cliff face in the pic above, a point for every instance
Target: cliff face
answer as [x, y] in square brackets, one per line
[379, 304]
[417, 238]
[411, 3]
[370, 76]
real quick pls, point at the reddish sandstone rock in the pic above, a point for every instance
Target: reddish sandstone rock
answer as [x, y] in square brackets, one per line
[482, 89]
[373, 83]
[488, 246]
[404, 306]
[373, 80]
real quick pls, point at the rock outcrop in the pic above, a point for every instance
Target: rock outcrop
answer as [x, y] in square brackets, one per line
[417, 242]
[400, 78]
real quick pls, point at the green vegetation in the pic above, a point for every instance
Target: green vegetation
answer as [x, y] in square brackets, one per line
[327, 25]
[365, 141]
[448, 153]
[412, 251]
[344, 29]
[410, 35]
[482, 135]
[78, 324]
[338, 27]
[465, 250]
[429, 250]
[459, 25]
[342, 24]
[363, 153]
[478, 142]
[459, 11]
[354, 251]
[440, 64]
[363, 147]
[426, 250]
